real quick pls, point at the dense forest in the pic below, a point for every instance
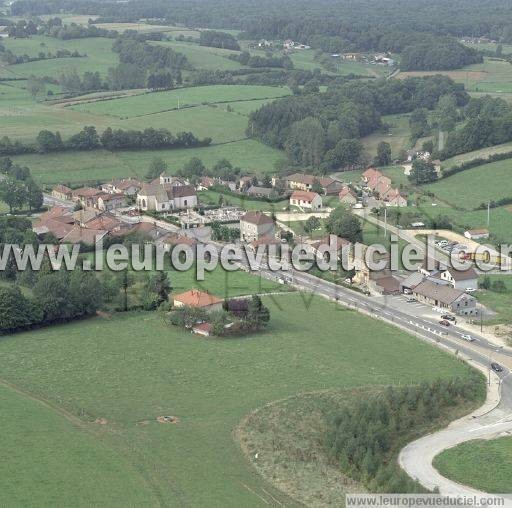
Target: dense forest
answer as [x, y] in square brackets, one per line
[405, 26]
[299, 19]
[321, 130]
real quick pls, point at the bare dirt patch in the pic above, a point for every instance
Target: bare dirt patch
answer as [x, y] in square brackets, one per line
[168, 419]
[101, 421]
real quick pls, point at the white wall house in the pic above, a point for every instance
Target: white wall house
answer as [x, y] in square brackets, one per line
[304, 199]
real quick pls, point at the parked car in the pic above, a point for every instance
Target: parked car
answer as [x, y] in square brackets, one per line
[496, 367]
[444, 322]
[407, 291]
[411, 300]
[468, 337]
[448, 317]
[470, 290]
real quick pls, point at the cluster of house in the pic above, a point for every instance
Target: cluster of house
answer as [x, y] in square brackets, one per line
[380, 58]
[162, 194]
[289, 45]
[380, 187]
[86, 226]
[444, 288]
[90, 225]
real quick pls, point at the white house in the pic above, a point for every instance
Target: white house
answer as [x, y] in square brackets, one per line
[162, 198]
[305, 199]
[461, 279]
[476, 234]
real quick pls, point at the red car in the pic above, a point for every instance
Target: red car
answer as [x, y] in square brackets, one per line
[444, 322]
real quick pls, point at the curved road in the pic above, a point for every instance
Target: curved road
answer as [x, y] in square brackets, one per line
[492, 420]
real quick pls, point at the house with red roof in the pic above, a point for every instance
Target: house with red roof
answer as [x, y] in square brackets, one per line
[347, 196]
[198, 299]
[304, 199]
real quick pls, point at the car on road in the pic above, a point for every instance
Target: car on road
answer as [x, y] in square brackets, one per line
[470, 290]
[444, 322]
[467, 337]
[448, 317]
[496, 367]
[411, 300]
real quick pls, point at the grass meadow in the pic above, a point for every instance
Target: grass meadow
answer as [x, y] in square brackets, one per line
[225, 122]
[131, 368]
[492, 76]
[147, 104]
[463, 464]
[474, 186]
[204, 57]
[100, 56]
[102, 165]
[398, 135]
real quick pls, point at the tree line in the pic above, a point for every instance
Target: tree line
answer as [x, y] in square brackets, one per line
[111, 139]
[488, 122]
[217, 39]
[365, 438]
[245, 58]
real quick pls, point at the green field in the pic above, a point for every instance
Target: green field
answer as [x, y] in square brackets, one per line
[204, 57]
[398, 135]
[501, 303]
[100, 56]
[23, 118]
[101, 165]
[132, 368]
[506, 48]
[493, 76]
[464, 464]
[477, 154]
[468, 189]
[164, 101]
[54, 456]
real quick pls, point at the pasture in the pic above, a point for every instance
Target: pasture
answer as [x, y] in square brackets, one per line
[100, 56]
[204, 57]
[100, 165]
[398, 135]
[155, 102]
[127, 370]
[463, 464]
[472, 187]
[483, 153]
[493, 76]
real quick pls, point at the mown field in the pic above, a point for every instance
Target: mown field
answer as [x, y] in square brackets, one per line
[505, 48]
[225, 122]
[464, 464]
[476, 154]
[204, 57]
[494, 76]
[101, 165]
[148, 104]
[23, 118]
[398, 136]
[131, 368]
[475, 186]
[100, 56]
